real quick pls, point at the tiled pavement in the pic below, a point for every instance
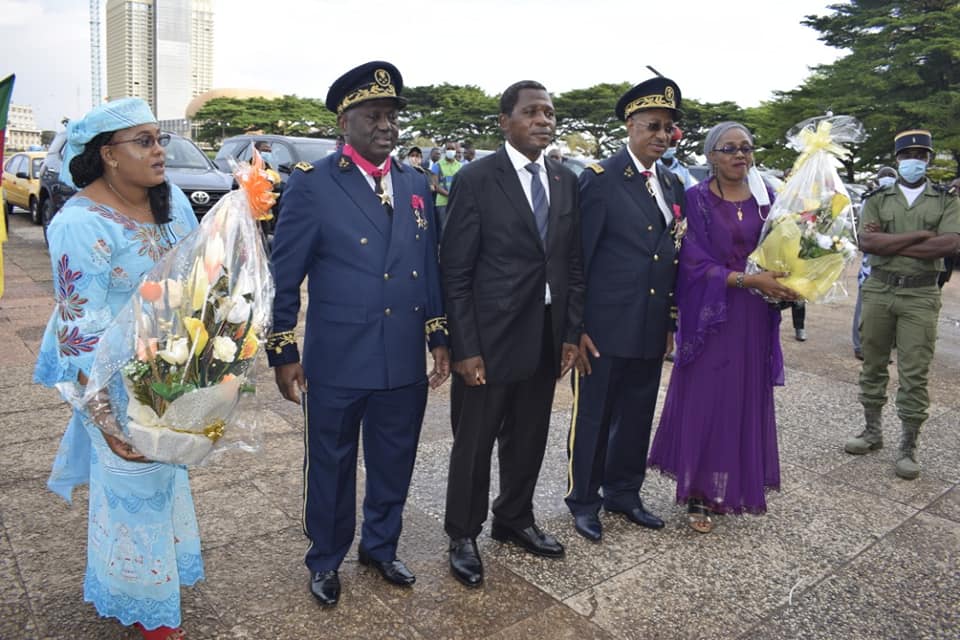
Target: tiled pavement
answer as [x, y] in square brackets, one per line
[847, 550]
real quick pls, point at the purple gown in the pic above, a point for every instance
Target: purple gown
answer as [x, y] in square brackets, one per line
[717, 435]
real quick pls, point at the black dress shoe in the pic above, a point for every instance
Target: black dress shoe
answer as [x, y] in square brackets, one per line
[465, 563]
[393, 571]
[325, 587]
[532, 539]
[588, 525]
[639, 515]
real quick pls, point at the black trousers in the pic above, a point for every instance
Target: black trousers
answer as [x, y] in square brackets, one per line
[516, 416]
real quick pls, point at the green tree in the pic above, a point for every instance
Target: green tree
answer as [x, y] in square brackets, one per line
[902, 71]
[289, 115]
[447, 111]
[696, 120]
[590, 113]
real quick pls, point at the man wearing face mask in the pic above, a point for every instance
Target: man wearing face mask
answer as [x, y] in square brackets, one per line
[886, 176]
[444, 170]
[907, 228]
[669, 161]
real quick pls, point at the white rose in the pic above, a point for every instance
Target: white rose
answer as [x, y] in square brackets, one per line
[176, 352]
[224, 349]
[239, 311]
[824, 242]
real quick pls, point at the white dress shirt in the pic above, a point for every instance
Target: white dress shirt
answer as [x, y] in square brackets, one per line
[654, 181]
[520, 162]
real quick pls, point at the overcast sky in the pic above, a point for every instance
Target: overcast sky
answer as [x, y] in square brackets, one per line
[740, 50]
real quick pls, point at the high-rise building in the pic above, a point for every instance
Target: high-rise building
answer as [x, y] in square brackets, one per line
[161, 51]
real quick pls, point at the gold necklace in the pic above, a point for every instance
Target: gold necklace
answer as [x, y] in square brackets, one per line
[127, 202]
[740, 210]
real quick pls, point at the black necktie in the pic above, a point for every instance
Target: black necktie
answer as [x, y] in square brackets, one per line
[541, 208]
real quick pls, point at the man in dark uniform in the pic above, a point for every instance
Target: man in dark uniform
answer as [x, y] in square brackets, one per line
[360, 228]
[908, 228]
[631, 228]
[513, 287]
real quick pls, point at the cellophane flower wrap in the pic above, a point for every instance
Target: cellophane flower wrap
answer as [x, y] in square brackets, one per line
[178, 359]
[810, 232]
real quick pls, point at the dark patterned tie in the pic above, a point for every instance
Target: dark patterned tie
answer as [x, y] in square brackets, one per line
[541, 208]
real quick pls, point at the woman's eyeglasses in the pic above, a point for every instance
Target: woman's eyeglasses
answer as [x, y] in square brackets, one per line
[730, 149]
[145, 141]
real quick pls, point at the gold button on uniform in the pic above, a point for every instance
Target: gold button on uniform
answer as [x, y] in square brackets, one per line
[653, 291]
[363, 241]
[675, 261]
[387, 311]
[386, 276]
[656, 257]
[415, 275]
[416, 308]
[418, 236]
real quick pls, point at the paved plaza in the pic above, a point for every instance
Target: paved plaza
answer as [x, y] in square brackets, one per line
[847, 550]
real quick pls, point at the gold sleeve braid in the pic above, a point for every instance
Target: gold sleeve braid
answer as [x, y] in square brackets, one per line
[437, 324]
[277, 341]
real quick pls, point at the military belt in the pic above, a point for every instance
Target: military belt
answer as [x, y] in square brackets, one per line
[904, 281]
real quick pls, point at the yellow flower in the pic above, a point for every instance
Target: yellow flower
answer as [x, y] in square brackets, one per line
[197, 333]
[200, 286]
[250, 344]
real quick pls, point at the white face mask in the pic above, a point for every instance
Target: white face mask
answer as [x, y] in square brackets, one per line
[450, 154]
[886, 181]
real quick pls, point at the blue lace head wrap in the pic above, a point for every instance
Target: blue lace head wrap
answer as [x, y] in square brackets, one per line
[111, 116]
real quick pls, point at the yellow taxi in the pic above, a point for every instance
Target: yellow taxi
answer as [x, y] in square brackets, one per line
[21, 183]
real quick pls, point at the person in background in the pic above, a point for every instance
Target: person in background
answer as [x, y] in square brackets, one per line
[908, 229]
[469, 153]
[886, 176]
[670, 161]
[143, 542]
[718, 432]
[443, 172]
[555, 154]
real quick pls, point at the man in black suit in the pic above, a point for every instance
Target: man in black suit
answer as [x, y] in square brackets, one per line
[632, 228]
[513, 284]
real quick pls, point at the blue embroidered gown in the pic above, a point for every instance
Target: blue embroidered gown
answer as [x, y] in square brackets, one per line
[143, 542]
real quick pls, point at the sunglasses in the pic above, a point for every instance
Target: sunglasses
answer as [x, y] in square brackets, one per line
[730, 149]
[146, 141]
[655, 126]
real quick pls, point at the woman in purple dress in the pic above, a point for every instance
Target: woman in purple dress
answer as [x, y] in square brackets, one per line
[717, 435]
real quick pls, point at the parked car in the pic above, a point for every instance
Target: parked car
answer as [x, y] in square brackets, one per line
[287, 151]
[186, 166]
[21, 183]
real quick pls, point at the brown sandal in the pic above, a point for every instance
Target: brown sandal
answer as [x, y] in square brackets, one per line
[698, 517]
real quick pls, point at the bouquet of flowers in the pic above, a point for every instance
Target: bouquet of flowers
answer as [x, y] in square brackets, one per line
[180, 354]
[810, 232]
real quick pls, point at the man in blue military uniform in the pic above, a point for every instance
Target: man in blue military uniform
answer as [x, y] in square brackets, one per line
[360, 227]
[631, 230]
[908, 228]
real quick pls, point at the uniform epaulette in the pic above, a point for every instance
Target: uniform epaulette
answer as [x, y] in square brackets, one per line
[948, 189]
[872, 192]
[596, 168]
[303, 166]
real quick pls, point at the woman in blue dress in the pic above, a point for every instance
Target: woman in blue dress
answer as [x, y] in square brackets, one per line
[143, 542]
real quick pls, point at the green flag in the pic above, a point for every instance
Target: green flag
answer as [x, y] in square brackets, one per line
[6, 90]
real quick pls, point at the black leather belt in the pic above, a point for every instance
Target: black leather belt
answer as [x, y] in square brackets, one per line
[905, 282]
